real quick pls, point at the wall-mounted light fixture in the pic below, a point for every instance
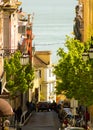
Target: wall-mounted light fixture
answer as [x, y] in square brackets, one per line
[24, 60]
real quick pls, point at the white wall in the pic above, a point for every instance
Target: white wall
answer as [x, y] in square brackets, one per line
[50, 80]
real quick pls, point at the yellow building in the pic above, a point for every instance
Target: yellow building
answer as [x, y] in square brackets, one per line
[84, 14]
[44, 83]
[85, 11]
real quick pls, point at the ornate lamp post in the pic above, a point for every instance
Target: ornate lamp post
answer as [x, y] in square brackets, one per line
[85, 56]
[91, 53]
[88, 55]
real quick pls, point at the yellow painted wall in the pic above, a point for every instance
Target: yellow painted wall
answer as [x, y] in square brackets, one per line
[88, 18]
[44, 55]
[88, 28]
[43, 85]
[91, 113]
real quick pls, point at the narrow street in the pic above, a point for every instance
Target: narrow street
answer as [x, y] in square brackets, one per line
[43, 121]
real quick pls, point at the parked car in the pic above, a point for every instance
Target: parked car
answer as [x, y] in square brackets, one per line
[42, 106]
[74, 128]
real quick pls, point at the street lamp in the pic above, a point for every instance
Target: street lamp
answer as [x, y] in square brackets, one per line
[88, 55]
[91, 53]
[24, 60]
[85, 56]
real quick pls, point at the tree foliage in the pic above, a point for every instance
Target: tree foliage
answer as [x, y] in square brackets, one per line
[74, 75]
[19, 78]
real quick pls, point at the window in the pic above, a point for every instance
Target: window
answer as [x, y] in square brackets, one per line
[40, 87]
[39, 73]
[49, 72]
[21, 29]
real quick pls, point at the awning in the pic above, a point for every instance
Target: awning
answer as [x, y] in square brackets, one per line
[5, 108]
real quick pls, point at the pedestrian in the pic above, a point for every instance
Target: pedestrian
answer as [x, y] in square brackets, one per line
[54, 106]
[28, 106]
[86, 117]
[62, 114]
[14, 117]
[31, 106]
[18, 113]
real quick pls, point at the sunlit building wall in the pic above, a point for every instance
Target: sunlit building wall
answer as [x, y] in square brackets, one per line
[46, 79]
[87, 15]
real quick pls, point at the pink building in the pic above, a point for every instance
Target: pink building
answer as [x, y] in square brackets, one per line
[8, 33]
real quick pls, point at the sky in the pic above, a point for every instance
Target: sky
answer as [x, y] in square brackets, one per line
[53, 20]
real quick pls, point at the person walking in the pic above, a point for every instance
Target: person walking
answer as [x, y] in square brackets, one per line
[18, 113]
[86, 117]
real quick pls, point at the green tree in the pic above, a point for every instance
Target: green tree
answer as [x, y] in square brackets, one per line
[19, 78]
[74, 75]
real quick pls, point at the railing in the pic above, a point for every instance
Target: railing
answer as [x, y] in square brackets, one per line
[25, 116]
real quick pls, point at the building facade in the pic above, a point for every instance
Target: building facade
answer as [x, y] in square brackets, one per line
[8, 34]
[16, 33]
[9, 25]
[46, 80]
[84, 16]
[83, 27]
